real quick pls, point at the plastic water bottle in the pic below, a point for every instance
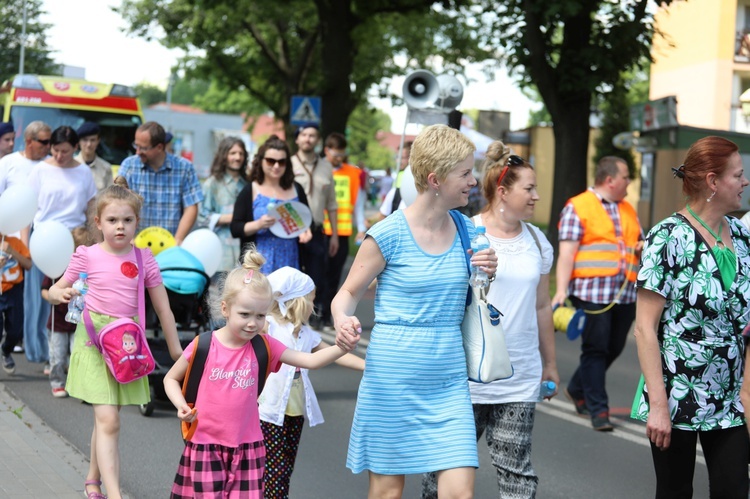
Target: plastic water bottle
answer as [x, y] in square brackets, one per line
[546, 389]
[479, 277]
[75, 306]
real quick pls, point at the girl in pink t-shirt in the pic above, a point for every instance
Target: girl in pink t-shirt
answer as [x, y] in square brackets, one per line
[113, 293]
[225, 455]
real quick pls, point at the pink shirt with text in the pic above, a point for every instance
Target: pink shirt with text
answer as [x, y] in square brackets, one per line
[227, 400]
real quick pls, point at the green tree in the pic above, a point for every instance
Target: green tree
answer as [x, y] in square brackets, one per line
[615, 113]
[337, 49]
[219, 99]
[570, 51]
[362, 133]
[149, 94]
[37, 56]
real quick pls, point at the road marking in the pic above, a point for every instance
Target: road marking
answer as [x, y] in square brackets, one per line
[625, 430]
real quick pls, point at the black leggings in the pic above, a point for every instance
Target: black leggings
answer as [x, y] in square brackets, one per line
[726, 453]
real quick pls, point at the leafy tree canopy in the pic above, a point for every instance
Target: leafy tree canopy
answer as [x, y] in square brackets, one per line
[37, 56]
[335, 49]
[571, 51]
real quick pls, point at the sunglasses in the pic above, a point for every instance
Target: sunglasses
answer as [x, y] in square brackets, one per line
[44, 142]
[272, 161]
[513, 160]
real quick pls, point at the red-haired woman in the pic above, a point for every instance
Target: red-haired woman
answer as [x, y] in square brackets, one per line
[693, 297]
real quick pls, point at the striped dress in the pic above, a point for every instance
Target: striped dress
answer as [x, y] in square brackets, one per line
[414, 411]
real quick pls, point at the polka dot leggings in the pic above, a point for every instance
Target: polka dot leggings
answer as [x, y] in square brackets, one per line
[281, 451]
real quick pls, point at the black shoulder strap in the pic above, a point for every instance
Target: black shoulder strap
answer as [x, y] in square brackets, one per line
[260, 346]
[301, 193]
[396, 200]
[197, 364]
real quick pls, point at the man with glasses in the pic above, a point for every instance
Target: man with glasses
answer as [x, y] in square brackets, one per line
[315, 175]
[600, 238]
[89, 136]
[168, 184]
[350, 198]
[15, 167]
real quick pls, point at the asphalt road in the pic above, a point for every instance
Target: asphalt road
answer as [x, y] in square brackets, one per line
[571, 459]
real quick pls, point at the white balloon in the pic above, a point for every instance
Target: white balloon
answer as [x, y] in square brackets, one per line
[51, 246]
[18, 205]
[408, 189]
[204, 245]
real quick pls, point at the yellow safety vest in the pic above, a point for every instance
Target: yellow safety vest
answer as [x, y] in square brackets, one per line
[601, 252]
[347, 186]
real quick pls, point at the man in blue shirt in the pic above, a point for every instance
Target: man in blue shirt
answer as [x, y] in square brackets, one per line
[168, 184]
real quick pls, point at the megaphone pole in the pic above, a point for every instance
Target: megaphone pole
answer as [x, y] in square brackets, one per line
[401, 143]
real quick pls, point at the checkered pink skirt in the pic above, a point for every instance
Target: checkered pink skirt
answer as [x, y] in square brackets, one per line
[213, 471]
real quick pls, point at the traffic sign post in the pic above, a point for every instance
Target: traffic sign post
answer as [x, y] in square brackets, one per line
[305, 110]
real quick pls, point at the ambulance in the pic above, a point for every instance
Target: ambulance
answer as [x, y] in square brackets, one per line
[67, 101]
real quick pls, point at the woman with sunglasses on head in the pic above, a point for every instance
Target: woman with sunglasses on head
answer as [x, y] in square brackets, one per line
[504, 409]
[220, 191]
[693, 302]
[271, 181]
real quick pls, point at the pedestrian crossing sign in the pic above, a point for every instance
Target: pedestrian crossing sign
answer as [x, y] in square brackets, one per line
[305, 110]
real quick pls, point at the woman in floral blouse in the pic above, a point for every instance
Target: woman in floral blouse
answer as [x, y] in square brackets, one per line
[693, 294]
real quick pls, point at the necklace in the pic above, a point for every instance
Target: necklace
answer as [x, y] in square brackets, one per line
[725, 258]
[705, 226]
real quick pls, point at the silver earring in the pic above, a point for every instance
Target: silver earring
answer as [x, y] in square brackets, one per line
[712, 196]
[502, 210]
[437, 193]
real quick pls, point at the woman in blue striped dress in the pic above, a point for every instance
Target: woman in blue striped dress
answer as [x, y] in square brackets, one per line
[414, 411]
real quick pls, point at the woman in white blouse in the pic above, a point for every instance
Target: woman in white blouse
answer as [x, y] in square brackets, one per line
[504, 409]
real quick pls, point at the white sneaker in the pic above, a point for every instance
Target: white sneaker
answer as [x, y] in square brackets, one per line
[59, 392]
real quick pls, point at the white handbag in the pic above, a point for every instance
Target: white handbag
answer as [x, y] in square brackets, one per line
[487, 357]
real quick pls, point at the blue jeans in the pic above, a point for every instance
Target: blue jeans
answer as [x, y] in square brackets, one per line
[11, 317]
[36, 313]
[602, 341]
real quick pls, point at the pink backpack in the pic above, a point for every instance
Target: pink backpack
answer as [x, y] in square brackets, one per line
[122, 342]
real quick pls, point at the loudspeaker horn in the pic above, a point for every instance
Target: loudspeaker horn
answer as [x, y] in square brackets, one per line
[450, 92]
[420, 89]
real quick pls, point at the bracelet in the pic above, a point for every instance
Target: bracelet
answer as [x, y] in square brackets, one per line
[492, 277]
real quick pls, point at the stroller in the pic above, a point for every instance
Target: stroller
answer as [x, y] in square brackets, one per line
[187, 289]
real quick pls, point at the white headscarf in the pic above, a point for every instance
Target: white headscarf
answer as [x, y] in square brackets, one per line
[289, 283]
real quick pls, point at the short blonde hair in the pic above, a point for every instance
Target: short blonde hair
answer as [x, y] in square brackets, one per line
[437, 149]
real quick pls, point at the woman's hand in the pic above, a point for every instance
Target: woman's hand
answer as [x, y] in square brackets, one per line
[265, 222]
[348, 330]
[659, 427]
[550, 374]
[485, 260]
[305, 237]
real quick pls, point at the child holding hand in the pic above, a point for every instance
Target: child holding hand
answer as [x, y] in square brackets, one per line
[288, 395]
[225, 455]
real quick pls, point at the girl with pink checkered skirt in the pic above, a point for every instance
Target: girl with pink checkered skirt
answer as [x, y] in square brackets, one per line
[225, 456]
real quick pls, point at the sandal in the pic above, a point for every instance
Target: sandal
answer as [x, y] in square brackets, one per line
[93, 495]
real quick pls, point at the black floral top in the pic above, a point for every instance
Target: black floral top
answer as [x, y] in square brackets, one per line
[702, 353]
